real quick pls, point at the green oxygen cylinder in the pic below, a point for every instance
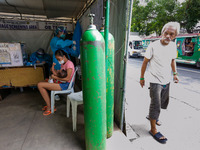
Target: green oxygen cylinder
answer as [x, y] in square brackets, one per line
[109, 82]
[94, 87]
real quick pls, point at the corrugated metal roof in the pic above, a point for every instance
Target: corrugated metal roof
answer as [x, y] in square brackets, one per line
[49, 8]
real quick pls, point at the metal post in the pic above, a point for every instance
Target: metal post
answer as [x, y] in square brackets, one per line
[109, 50]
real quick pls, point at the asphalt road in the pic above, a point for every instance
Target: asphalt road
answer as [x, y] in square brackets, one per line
[187, 91]
[189, 75]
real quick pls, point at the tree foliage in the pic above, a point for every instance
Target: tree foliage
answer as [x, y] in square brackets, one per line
[192, 14]
[151, 17]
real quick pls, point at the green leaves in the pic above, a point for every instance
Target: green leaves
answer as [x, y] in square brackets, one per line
[151, 17]
[192, 14]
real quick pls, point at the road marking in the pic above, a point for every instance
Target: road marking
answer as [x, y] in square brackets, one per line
[188, 70]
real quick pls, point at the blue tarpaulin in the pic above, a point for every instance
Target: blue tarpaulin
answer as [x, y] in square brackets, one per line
[76, 37]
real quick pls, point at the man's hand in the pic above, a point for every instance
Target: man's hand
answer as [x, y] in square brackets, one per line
[74, 42]
[142, 83]
[53, 64]
[37, 61]
[176, 79]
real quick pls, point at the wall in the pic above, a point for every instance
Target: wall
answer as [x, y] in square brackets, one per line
[85, 20]
[34, 34]
[32, 39]
[118, 27]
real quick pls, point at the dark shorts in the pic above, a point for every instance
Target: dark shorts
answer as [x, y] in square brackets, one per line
[159, 99]
[64, 86]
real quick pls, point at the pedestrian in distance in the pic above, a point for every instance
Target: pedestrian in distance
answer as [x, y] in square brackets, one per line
[161, 56]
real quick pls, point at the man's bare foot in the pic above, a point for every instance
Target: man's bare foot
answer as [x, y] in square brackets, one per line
[158, 137]
[158, 122]
[154, 132]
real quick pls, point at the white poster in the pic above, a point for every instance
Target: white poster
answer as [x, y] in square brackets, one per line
[10, 54]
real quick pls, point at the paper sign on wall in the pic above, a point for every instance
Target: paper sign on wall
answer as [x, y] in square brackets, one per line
[10, 54]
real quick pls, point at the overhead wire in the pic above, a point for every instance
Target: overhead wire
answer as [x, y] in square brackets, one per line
[14, 7]
[85, 8]
[29, 9]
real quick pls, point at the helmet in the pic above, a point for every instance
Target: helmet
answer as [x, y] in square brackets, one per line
[40, 51]
[61, 29]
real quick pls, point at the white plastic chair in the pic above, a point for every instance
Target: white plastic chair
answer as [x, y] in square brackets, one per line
[75, 99]
[68, 91]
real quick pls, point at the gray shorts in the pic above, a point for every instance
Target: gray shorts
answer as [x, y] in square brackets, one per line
[159, 99]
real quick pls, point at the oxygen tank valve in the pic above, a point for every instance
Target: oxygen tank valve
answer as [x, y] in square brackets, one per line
[91, 18]
[91, 26]
[103, 24]
[103, 21]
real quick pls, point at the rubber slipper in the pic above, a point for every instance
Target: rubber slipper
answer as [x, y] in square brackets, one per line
[47, 112]
[45, 108]
[158, 123]
[158, 137]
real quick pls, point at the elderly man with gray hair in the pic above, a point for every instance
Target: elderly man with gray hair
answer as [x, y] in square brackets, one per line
[161, 56]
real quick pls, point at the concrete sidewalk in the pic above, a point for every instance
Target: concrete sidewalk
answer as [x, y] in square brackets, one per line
[180, 122]
[23, 127]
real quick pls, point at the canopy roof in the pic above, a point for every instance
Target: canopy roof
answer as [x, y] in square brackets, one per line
[48, 8]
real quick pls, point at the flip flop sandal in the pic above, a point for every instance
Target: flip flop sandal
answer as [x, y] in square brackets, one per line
[47, 112]
[158, 137]
[158, 123]
[45, 108]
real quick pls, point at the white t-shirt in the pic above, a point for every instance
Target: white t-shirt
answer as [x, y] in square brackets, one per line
[160, 61]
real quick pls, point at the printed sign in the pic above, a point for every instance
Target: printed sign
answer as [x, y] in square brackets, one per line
[54, 25]
[31, 25]
[17, 25]
[10, 54]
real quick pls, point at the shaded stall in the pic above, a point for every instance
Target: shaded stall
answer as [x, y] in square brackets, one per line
[33, 22]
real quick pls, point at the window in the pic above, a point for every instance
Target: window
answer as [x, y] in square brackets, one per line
[178, 45]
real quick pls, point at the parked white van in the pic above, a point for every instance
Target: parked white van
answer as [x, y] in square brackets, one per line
[135, 48]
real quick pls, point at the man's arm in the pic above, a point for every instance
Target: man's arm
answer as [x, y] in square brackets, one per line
[64, 43]
[175, 74]
[143, 69]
